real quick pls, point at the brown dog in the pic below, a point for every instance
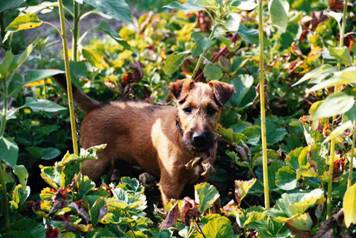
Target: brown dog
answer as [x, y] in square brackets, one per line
[176, 143]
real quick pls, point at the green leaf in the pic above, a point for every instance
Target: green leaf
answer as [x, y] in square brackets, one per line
[24, 22]
[335, 104]
[48, 153]
[94, 211]
[5, 65]
[342, 54]
[349, 206]
[245, 93]
[278, 9]
[212, 72]
[205, 195]
[39, 74]
[7, 5]
[105, 27]
[232, 23]
[202, 43]
[248, 35]
[19, 195]
[286, 178]
[117, 9]
[43, 7]
[242, 188]
[43, 105]
[333, 82]
[21, 173]
[173, 62]
[8, 151]
[188, 6]
[218, 227]
[319, 73]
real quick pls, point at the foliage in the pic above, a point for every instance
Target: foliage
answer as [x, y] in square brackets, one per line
[310, 101]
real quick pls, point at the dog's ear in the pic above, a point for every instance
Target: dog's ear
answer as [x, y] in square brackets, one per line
[222, 91]
[180, 88]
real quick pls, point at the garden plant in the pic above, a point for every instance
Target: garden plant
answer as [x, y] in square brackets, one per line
[286, 140]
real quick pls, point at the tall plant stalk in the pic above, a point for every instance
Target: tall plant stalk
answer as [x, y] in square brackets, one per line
[68, 77]
[4, 200]
[263, 106]
[333, 141]
[75, 35]
[351, 165]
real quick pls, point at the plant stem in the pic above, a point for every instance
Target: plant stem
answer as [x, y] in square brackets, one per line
[333, 141]
[5, 202]
[68, 77]
[4, 108]
[263, 106]
[75, 35]
[351, 166]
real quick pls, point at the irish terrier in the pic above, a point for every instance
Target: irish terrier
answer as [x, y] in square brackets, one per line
[178, 144]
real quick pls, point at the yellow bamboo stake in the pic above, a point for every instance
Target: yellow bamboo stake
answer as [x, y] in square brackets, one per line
[263, 107]
[68, 77]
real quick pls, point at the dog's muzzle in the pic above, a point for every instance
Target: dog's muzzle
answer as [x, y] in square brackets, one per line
[202, 141]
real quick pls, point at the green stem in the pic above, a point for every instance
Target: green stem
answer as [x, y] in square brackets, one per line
[68, 77]
[263, 106]
[351, 166]
[75, 30]
[333, 141]
[4, 108]
[5, 201]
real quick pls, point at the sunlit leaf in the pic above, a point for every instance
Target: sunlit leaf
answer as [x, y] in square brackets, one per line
[173, 63]
[43, 8]
[278, 10]
[24, 22]
[242, 188]
[342, 54]
[218, 227]
[43, 105]
[205, 196]
[335, 104]
[188, 6]
[286, 178]
[232, 23]
[349, 206]
[21, 173]
[319, 73]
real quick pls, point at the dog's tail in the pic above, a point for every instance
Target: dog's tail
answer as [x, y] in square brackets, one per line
[84, 102]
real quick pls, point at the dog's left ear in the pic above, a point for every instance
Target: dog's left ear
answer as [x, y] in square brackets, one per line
[222, 91]
[180, 88]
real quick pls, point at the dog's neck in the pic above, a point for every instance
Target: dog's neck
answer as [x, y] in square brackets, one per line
[178, 126]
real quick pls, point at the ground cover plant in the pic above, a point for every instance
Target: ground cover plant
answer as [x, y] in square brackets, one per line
[286, 150]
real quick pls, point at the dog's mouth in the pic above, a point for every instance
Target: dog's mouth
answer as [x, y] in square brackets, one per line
[201, 145]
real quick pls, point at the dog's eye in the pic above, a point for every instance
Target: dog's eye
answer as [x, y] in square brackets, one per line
[187, 109]
[210, 111]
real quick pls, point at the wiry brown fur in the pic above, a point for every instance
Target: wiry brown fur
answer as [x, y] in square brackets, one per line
[147, 134]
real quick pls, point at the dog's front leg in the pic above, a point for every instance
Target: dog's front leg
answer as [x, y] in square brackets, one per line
[170, 185]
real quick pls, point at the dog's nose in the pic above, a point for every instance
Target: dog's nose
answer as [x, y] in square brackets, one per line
[202, 140]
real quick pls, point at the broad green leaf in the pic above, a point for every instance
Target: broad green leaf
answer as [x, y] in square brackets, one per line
[117, 9]
[24, 22]
[94, 211]
[173, 62]
[43, 105]
[218, 227]
[21, 173]
[349, 206]
[5, 65]
[43, 8]
[105, 27]
[342, 54]
[39, 74]
[48, 153]
[7, 5]
[51, 176]
[248, 35]
[242, 188]
[338, 131]
[278, 9]
[202, 43]
[244, 5]
[335, 104]
[333, 82]
[286, 178]
[205, 195]
[19, 195]
[8, 151]
[212, 72]
[319, 73]
[348, 74]
[232, 23]
[245, 94]
[188, 6]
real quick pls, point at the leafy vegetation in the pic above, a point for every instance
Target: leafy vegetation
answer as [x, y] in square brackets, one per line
[287, 144]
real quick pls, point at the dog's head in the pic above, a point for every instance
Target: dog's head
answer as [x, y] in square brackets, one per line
[199, 106]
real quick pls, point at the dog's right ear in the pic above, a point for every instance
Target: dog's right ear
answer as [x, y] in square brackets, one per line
[180, 88]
